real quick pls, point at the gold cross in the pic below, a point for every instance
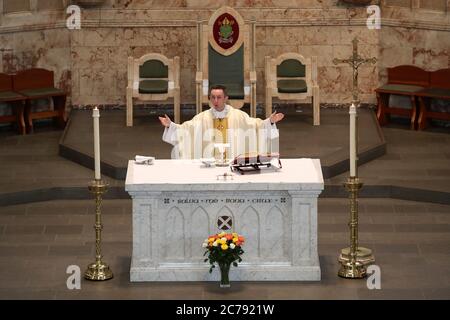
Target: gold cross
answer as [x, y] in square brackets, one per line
[220, 126]
[355, 62]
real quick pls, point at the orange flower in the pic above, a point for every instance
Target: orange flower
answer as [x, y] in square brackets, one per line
[229, 236]
[241, 238]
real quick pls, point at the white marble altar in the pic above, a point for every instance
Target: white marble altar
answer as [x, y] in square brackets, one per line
[177, 204]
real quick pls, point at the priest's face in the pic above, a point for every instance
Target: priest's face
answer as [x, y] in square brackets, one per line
[218, 99]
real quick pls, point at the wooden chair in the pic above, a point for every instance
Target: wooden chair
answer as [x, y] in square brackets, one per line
[153, 77]
[37, 84]
[405, 81]
[16, 100]
[226, 56]
[293, 77]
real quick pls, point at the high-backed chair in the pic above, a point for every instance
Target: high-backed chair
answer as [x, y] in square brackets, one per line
[15, 100]
[226, 56]
[38, 84]
[153, 77]
[293, 77]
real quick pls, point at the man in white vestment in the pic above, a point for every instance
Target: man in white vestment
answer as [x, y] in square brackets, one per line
[221, 124]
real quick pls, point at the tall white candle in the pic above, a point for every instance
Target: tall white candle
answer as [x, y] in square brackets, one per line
[96, 116]
[352, 113]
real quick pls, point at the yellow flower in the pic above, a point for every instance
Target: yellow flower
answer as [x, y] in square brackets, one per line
[223, 240]
[235, 235]
[235, 240]
[224, 246]
[215, 244]
[221, 234]
[211, 239]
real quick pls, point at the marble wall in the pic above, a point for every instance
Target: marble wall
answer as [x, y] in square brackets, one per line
[91, 62]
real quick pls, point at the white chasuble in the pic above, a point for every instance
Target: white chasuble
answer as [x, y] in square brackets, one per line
[195, 138]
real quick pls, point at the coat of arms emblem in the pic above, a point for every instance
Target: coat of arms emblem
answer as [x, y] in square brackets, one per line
[226, 30]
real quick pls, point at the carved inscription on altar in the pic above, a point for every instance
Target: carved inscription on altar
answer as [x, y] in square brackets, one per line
[169, 201]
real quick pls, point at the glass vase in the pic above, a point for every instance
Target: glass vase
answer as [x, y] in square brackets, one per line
[224, 274]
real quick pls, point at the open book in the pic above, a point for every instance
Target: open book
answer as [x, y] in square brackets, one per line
[252, 162]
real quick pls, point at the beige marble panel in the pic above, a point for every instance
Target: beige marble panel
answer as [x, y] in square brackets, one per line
[438, 40]
[136, 4]
[101, 37]
[16, 6]
[396, 36]
[50, 5]
[187, 78]
[430, 59]
[324, 53]
[440, 5]
[395, 56]
[276, 36]
[272, 51]
[328, 35]
[425, 48]
[57, 38]
[96, 81]
[86, 57]
[367, 79]
[363, 34]
[75, 82]
[336, 80]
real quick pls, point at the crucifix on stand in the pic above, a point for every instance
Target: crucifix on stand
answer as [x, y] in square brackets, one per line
[355, 62]
[353, 260]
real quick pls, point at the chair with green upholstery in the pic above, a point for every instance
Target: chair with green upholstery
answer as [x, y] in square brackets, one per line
[225, 56]
[153, 77]
[292, 77]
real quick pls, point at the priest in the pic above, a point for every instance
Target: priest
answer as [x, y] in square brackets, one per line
[221, 124]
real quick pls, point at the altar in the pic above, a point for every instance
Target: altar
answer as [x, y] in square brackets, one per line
[177, 204]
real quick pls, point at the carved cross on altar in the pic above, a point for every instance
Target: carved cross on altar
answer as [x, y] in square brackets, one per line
[355, 62]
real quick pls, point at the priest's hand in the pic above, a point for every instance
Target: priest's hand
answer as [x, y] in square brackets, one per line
[165, 121]
[275, 117]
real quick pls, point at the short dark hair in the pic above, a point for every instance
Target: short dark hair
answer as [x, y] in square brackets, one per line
[218, 87]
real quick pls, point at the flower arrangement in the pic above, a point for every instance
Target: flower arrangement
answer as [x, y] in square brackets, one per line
[224, 248]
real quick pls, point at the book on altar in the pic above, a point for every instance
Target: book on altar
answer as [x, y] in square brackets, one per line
[253, 162]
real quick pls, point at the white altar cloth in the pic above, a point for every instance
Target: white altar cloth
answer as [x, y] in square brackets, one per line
[177, 204]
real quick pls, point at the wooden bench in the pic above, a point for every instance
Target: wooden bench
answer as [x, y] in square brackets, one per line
[16, 100]
[404, 81]
[439, 88]
[37, 84]
[419, 85]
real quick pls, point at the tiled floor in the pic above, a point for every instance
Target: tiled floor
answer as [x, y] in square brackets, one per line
[38, 241]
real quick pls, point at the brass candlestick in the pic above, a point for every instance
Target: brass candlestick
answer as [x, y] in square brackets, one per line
[353, 260]
[352, 268]
[364, 256]
[98, 270]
